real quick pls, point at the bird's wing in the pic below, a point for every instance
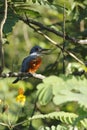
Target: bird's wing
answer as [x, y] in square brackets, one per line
[25, 63]
[25, 66]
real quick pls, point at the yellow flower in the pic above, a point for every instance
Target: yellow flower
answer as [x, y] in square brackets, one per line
[21, 99]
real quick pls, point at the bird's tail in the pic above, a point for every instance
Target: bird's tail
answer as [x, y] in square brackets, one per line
[16, 80]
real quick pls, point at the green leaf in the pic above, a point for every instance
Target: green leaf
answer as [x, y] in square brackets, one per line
[74, 90]
[34, 1]
[45, 94]
[63, 89]
[12, 19]
[65, 117]
[29, 12]
[50, 1]
[58, 127]
[18, 1]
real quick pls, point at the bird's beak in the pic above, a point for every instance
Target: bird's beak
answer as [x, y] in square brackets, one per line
[45, 51]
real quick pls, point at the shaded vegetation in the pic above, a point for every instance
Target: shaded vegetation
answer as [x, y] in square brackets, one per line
[58, 102]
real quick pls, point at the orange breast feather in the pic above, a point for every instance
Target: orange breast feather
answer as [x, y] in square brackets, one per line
[34, 65]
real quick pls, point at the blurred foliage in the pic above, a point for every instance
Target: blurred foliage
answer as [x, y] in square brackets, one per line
[59, 101]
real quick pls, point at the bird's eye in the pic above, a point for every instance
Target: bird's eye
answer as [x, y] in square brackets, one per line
[36, 49]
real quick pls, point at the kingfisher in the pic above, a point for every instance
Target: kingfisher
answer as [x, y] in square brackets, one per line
[32, 62]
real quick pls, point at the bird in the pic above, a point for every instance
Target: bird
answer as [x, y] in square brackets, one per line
[32, 62]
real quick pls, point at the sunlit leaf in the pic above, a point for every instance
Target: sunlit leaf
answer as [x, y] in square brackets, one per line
[28, 12]
[64, 89]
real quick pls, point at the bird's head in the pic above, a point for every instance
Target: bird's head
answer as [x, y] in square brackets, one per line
[37, 50]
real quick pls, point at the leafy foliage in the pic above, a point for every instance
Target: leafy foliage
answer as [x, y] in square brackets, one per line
[11, 19]
[63, 89]
[59, 127]
[64, 117]
[62, 98]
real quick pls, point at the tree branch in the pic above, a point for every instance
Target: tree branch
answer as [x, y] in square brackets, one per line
[32, 24]
[69, 53]
[56, 44]
[43, 27]
[1, 36]
[22, 75]
[82, 41]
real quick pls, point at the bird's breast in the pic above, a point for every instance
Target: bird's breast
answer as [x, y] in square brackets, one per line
[34, 64]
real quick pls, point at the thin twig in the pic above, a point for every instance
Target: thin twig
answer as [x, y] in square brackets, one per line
[34, 109]
[63, 39]
[20, 123]
[1, 36]
[4, 124]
